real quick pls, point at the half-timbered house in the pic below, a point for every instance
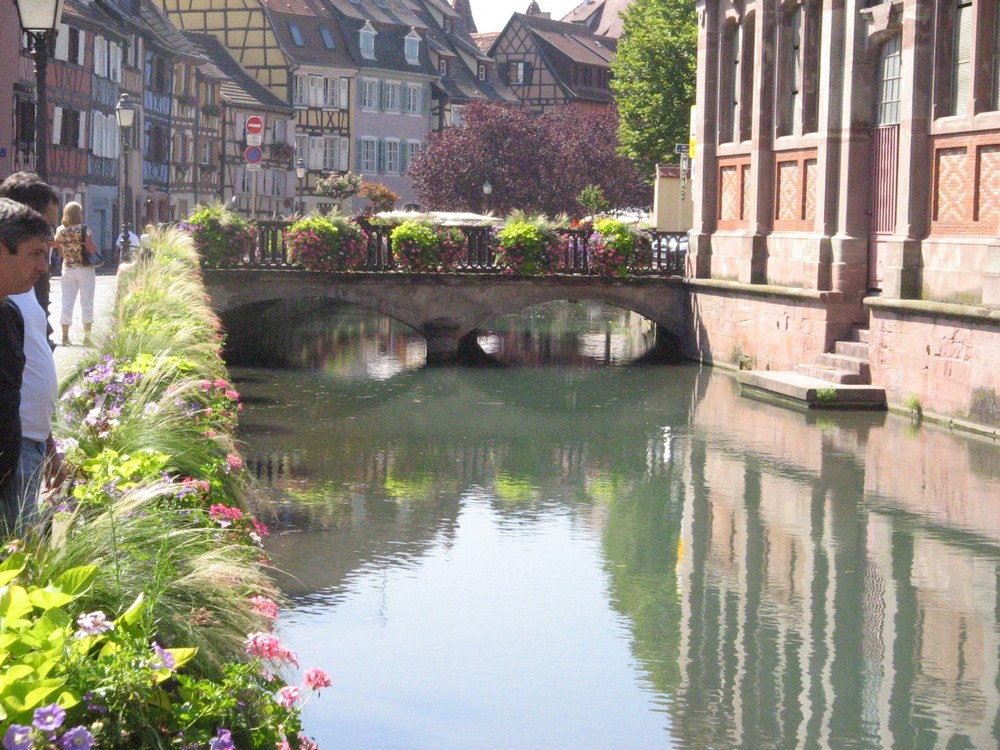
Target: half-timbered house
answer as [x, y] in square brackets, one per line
[391, 118]
[467, 74]
[242, 97]
[294, 48]
[549, 63]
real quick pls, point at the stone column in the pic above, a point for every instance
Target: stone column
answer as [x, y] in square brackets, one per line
[704, 185]
[753, 263]
[441, 336]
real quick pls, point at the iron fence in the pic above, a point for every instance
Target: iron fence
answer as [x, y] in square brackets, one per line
[669, 250]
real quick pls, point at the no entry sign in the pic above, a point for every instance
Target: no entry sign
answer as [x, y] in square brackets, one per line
[253, 154]
[255, 125]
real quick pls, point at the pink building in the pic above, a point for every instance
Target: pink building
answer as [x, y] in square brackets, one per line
[9, 40]
[848, 186]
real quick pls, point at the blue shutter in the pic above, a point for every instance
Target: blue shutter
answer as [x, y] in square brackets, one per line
[380, 156]
[404, 152]
[358, 149]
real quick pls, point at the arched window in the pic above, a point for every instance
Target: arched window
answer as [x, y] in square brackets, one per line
[797, 90]
[729, 78]
[746, 76]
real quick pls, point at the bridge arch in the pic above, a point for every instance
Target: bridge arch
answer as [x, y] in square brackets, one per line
[447, 307]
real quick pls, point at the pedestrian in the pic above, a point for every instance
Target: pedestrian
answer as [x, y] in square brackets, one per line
[133, 245]
[76, 245]
[39, 461]
[25, 239]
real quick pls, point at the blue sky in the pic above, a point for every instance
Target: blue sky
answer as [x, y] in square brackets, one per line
[492, 15]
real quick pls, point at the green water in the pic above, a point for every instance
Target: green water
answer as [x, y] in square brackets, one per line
[614, 557]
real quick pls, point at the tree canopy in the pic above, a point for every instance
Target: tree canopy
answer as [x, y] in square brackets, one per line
[537, 163]
[654, 78]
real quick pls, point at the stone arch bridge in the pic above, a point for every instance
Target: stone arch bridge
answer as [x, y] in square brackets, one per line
[446, 308]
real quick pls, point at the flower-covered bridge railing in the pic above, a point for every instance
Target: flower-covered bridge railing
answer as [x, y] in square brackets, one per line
[572, 253]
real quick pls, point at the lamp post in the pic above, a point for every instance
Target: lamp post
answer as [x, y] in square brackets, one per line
[300, 173]
[40, 19]
[125, 112]
[487, 189]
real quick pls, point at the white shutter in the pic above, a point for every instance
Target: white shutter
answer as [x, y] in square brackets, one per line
[56, 126]
[344, 93]
[345, 154]
[82, 131]
[96, 138]
[62, 42]
[315, 160]
[299, 94]
[100, 57]
[81, 51]
[116, 62]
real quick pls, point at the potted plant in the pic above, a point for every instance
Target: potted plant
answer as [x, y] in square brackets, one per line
[616, 248]
[340, 187]
[327, 243]
[211, 110]
[221, 237]
[281, 150]
[423, 248]
[527, 245]
[380, 198]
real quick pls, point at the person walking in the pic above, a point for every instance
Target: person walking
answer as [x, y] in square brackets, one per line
[79, 274]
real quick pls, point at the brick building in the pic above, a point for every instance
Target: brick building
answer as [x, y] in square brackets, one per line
[847, 177]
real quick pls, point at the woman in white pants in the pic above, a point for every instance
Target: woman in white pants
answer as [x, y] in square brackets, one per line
[77, 248]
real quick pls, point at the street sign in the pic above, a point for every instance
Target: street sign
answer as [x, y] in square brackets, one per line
[255, 125]
[255, 139]
[252, 167]
[682, 148]
[253, 154]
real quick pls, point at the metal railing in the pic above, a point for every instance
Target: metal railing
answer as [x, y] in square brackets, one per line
[668, 256]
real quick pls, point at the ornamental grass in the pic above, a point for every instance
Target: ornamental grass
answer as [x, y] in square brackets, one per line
[141, 616]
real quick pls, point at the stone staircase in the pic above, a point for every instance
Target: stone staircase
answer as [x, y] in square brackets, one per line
[847, 364]
[840, 379]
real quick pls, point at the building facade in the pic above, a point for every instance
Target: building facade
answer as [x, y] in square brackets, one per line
[846, 155]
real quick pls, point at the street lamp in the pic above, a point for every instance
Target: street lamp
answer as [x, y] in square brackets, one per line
[487, 189]
[125, 112]
[40, 19]
[300, 173]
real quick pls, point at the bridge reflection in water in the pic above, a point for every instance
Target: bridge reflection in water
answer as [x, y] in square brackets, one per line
[788, 580]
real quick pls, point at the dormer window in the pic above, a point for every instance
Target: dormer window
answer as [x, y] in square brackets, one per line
[443, 66]
[411, 46]
[367, 37]
[448, 28]
[482, 72]
[327, 37]
[296, 35]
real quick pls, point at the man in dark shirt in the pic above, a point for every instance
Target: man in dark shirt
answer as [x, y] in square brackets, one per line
[25, 237]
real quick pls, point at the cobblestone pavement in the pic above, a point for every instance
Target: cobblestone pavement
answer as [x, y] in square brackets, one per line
[104, 297]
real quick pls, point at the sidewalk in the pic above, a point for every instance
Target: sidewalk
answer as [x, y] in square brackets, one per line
[104, 297]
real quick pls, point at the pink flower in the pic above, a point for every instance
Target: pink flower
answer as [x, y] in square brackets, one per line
[221, 383]
[267, 646]
[264, 607]
[232, 394]
[234, 462]
[316, 678]
[288, 695]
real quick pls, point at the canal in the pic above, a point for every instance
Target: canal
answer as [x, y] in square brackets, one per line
[586, 554]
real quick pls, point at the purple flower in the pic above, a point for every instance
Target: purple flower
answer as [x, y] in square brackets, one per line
[49, 718]
[94, 623]
[223, 740]
[163, 659]
[77, 737]
[17, 738]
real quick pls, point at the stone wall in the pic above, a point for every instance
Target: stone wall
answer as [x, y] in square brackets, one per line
[941, 354]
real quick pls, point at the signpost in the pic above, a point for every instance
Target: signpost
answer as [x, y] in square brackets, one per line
[683, 149]
[253, 156]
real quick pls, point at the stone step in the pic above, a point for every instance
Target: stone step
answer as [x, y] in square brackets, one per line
[829, 374]
[858, 334]
[846, 362]
[857, 349]
[797, 389]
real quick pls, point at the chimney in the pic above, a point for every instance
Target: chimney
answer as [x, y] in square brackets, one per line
[464, 10]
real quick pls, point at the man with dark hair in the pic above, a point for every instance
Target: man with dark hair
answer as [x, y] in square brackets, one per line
[25, 238]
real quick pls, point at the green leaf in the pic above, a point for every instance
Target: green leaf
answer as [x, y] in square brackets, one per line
[48, 598]
[131, 615]
[76, 580]
[14, 605]
[12, 567]
[27, 695]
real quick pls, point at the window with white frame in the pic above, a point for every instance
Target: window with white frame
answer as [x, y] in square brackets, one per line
[367, 41]
[279, 182]
[302, 148]
[443, 66]
[246, 181]
[411, 47]
[315, 160]
[299, 91]
[206, 153]
[279, 129]
[366, 157]
[413, 97]
[331, 152]
[516, 72]
[391, 102]
[331, 93]
[456, 116]
[481, 74]
[369, 94]
[391, 163]
[412, 149]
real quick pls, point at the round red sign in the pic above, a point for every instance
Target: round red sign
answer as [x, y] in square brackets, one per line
[254, 125]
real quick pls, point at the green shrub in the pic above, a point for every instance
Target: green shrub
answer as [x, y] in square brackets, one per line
[423, 248]
[221, 237]
[325, 243]
[525, 248]
[616, 249]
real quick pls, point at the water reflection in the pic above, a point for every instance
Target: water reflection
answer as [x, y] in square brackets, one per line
[627, 558]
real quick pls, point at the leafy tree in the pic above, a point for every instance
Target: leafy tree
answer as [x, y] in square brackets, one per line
[654, 78]
[380, 198]
[533, 162]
